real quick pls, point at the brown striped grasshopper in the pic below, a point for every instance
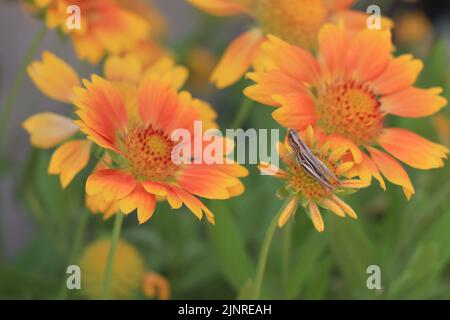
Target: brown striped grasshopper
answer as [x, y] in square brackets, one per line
[306, 159]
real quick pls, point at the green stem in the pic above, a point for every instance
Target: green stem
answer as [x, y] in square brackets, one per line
[77, 242]
[262, 261]
[242, 114]
[17, 84]
[286, 252]
[112, 252]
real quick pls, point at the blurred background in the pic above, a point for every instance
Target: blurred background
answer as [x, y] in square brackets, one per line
[408, 240]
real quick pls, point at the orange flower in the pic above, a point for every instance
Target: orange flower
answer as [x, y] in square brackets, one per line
[56, 79]
[296, 21]
[347, 93]
[141, 149]
[107, 26]
[413, 28]
[156, 285]
[301, 188]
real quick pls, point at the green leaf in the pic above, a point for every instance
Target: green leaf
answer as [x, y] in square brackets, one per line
[308, 259]
[435, 72]
[419, 275]
[228, 247]
[317, 284]
[247, 291]
[353, 252]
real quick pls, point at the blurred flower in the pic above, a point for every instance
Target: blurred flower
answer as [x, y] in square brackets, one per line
[155, 285]
[200, 62]
[347, 94]
[412, 28]
[442, 125]
[107, 26]
[56, 79]
[296, 21]
[136, 131]
[128, 272]
[301, 188]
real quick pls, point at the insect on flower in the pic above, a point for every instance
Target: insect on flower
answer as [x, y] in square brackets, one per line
[309, 162]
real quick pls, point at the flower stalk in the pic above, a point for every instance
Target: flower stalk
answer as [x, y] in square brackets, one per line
[262, 261]
[112, 252]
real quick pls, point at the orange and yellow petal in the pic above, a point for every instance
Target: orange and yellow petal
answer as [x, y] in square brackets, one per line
[367, 169]
[271, 83]
[288, 211]
[297, 111]
[156, 188]
[102, 112]
[141, 200]
[344, 206]
[237, 59]
[206, 182]
[69, 159]
[219, 7]
[159, 104]
[295, 62]
[412, 149]
[400, 73]
[49, 129]
[333, 207]
[316, 217]
[96, 204]
[333, 42]
[413, 102]
[112, 184]
[173, 199]
[338, 141]
[368, 54]
[392, 170]
[169, 72]
[54, 77]
[194, 204]
[126, 69]
[87, 48]
[118, 29]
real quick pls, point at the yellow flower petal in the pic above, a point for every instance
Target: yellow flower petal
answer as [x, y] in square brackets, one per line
[333, 207]
[288, 211]
[219, 7]
[49, 129]
[316, 217]
[69, 159]
[54, 77]
[237, 59]
[128, 69]
[347, 209]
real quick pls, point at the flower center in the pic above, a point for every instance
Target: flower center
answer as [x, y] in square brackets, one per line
[350, 110]
[302, 182]
[296, 21]
[149, 153]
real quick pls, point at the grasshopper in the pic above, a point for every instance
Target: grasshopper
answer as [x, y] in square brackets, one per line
[309, 162]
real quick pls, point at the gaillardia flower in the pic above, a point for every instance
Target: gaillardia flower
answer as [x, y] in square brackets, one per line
[347, 93]
[56, 79]
[295, 21]
[138, 140]
[106, 26]
[129, 275]
[301, 188]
